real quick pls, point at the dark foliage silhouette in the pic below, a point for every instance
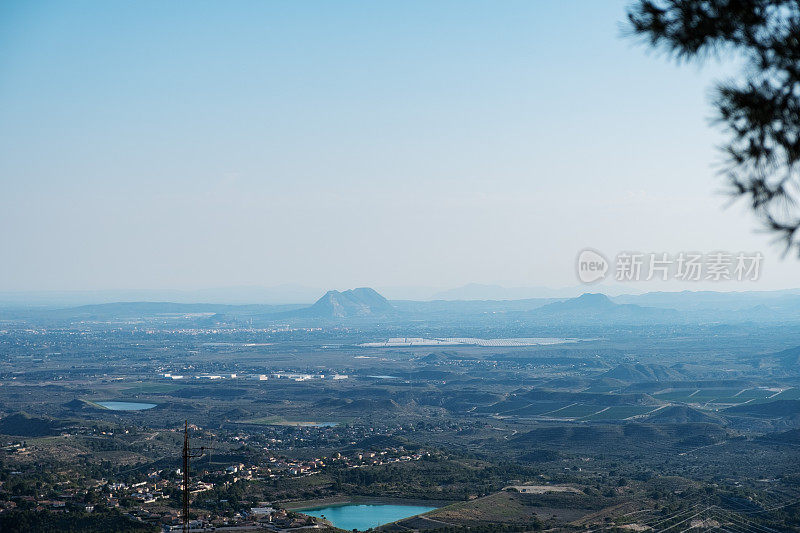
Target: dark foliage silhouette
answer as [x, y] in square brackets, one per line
[760, 110]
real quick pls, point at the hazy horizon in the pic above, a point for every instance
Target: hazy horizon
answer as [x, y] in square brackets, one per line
[302, 295]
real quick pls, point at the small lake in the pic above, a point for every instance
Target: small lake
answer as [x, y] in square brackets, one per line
[126, 406]
[364, 516]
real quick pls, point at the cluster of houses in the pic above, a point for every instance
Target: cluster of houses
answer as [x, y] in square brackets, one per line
[152, 499]
[257, 518]
[357, 460]
[67, 501]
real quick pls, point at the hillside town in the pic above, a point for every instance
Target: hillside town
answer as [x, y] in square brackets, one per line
[153, 497]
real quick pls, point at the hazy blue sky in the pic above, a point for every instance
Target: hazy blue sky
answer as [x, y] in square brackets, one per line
[191, 144]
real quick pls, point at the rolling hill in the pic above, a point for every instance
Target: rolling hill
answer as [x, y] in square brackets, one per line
[642, 372]
[600, 308]
[680, 414]
[775, 409]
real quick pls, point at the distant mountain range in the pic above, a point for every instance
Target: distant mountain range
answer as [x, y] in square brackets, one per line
[704, 300]
[472, 292]
[722, 309]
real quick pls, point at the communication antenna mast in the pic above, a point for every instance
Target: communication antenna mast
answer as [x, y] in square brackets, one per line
[188, 453]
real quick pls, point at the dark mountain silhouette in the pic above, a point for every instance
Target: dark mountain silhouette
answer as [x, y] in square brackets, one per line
[353, 303]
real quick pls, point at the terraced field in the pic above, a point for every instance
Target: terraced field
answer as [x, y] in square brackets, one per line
[575, 411]
[579, 411]
[788, 394]
[620, 412]
[536, 409]
[715, 397]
